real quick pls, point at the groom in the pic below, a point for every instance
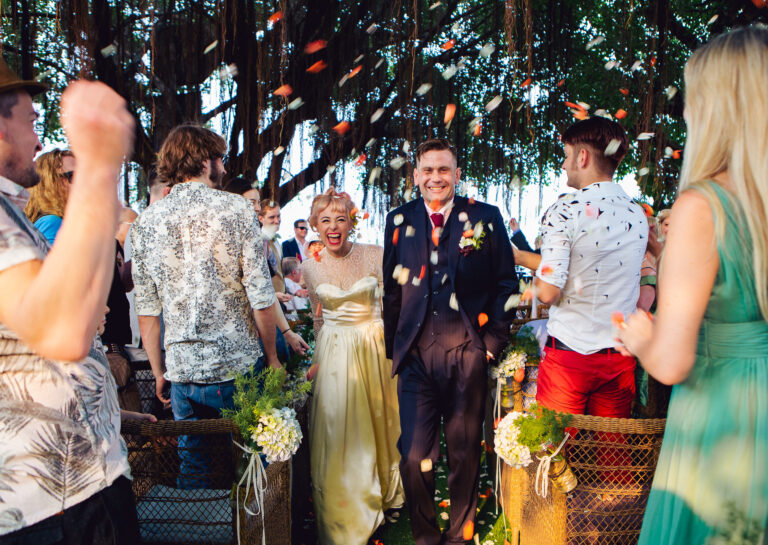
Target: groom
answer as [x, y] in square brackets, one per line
[448, 273]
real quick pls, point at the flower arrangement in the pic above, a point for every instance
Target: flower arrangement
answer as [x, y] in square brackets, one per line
[472, 237]
[265, 412]
[523, 348]
[507, 444]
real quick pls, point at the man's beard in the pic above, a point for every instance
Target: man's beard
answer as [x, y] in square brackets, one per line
[25, 177]
[215, 176]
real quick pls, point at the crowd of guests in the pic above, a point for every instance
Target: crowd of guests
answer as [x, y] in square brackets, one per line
[404, 334]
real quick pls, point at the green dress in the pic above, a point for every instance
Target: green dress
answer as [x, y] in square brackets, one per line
[711, 482]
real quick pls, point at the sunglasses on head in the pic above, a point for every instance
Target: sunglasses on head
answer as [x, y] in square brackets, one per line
[68, 175]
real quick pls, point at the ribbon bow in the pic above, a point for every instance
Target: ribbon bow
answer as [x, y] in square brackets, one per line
[255, 476]
[542, 472]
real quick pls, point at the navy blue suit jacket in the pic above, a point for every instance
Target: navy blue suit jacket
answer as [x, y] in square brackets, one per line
[483, 280]
[291, 248]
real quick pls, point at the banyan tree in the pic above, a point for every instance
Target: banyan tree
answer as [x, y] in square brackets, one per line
[301, 89]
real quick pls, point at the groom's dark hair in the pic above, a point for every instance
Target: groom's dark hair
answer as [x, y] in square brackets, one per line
[435, 144]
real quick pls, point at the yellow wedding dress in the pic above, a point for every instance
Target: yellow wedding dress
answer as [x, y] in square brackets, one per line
[354, 422]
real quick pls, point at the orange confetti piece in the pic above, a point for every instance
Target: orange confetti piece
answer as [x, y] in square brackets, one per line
[624, 92]
[361, 160]
[443, 504]
[434, 205]
[316, 255]
[482, 319]
[760, 3]
[581, 114]
[617, 319]
[647, 209]
[319, 310]
[620, 113]
[676, 154]
[314, 47]
[561, 83]
[526, 83]
[527, 295]
[471, 200]
[319, 66]
[450, 111]
[591, 211]
[283, 91]
[468, 531]
[396, 236]
[519, 375]
[275, 17]
[546, 269]
[422, 272]
[343, 127]
[436, 236]
[653, 61]
[496, 423]
[354, 211]
[574, 106]
[477, 130]
[468, 233]
[449, 44]
[366, 216]
[355, 71]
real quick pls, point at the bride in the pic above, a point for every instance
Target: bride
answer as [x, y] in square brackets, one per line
[354, 422]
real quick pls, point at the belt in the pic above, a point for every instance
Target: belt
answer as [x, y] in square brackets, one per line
[559, 345]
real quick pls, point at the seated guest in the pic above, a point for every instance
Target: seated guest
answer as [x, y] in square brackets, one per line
[296, 247]
[292, 273]
[64, 475]
[593, 245]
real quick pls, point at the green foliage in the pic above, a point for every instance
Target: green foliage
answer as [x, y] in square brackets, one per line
[258, 394]
[524, 341]
[542, 428]
[298, 363]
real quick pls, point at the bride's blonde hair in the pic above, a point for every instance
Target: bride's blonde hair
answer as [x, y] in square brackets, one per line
[339, 201]
[726, 106]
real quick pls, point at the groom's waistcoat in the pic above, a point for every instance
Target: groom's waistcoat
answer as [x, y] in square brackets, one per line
[443, 325]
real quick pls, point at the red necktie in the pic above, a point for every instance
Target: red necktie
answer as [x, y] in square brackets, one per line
[437, 219]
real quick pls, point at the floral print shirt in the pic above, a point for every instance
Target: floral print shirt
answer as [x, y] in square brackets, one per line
[198, 258]
[59, 421]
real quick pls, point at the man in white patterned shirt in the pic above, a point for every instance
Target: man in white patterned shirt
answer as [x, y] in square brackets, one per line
[63, 467]
[593, 245]
[198, 259]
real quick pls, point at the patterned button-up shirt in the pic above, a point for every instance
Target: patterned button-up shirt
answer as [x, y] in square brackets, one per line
[59, 421]
[198, 258]
[593, 245]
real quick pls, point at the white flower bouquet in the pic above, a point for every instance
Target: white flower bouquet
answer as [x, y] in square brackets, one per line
[510, 365]
[506, 442]
[277, 434]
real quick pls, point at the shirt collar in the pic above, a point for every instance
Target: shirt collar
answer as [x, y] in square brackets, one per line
[17, 194]
[445, 210]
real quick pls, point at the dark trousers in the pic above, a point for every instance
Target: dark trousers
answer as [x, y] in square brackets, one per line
[106, 518]
[437, 385]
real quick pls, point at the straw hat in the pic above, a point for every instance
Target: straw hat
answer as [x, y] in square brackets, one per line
[9, 81]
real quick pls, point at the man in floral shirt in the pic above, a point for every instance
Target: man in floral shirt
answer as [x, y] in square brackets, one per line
[63, 465]
[198, 259]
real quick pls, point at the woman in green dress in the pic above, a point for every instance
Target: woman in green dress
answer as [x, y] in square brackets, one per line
[710, 335]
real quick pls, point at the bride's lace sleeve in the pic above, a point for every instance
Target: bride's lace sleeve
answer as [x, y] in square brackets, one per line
[309, 271]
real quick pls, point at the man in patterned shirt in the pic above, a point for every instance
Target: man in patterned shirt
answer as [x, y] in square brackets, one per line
[63, 465]
[198, 259]
[593, 245]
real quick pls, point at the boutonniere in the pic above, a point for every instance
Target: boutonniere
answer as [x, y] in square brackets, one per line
[472, 237]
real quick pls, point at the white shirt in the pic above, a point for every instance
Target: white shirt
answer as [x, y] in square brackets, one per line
[296, 303]
[445, 211]
[593, 242]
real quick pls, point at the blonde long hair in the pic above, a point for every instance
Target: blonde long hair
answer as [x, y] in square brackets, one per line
[49, 196]
[727, 117]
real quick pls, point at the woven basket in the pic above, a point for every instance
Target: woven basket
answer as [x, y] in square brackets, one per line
[168, 514]
[614, 461]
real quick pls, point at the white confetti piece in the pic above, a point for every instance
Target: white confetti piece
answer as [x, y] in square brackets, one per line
[490, 227]
[416, 281]
[442, 281]
[643, 171]
[423, 89]
[426, 465]
[667, 152]
[371, 29]
[279, 150]
[612, 147]
[370, 142]
[377, 115]
[397, 163]
[108, 51]
[402, 277]
[449, 72]
[343, 80]
[455, 27]
[594, 42]
[636, 66]
[229, 71]
[712, 20]
[358, 59]
[645, 135]
[433, 257]
[493, 104]
[487, 50]
[671, 92]
[435, 5]
[454, 303]
[375, 172]
[610, 65]
[313, 129]
[410, 231]
[211, 47]
[512, 302]
[295, 104]
[444, 515]
[398, 219]
[381, 61]
[584, 105]
[406, 147]
[330, 169]
[463, 216]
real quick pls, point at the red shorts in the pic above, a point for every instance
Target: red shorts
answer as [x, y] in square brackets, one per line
[594, 384]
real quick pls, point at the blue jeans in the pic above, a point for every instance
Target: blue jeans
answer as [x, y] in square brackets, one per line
[194, 401]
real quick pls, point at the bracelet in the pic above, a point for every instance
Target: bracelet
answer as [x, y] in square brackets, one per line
[286, 330]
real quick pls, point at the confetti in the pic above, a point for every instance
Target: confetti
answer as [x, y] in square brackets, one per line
[653, 62]
[371, 29]
[561, 83]
[423, 89]
[375, 173]
[610, 65]
[591, 211]
[645, 136]
[397, 163]
[519, 375]
[361, 160]
[436, 235]
[342, 127]
[426, 465]
[448, 45]
[487, 50]
[512, 302]
[482, 319]
[450, 111]
[295, 104]
[444, 515]
[493, 104]
[636, 66]
[613, 146]
[546, 270]
[370, 142]
[355, 71]
[676, 154]
[377, 115]
[108, 51]
[319, 66]
[760, 3]
[449, 72]
[643, 171]
[358, 59]
[443, 504]
[671, 92]
[468, 530]
[398, 220]
[316, 255]
[469, 233]
[435, 5]
[453, 302]
[477, 129]
[617, 319]
[621, 113]
[211, 47]
[526, 83]
[422, 272]
[315, 46]
[594, 42]
[279, 150]
[712, 20]
[395, 237]
[283, 91]
[647, 209]
[433, 257]
[573, 105]
[402, 278]
[229, 71]
[410, 231]
[624, 92]
[463, 216]
[381, 61]
[275, 17]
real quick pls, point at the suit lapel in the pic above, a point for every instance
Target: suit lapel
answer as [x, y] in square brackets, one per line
[420, 223]
[455, 231]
